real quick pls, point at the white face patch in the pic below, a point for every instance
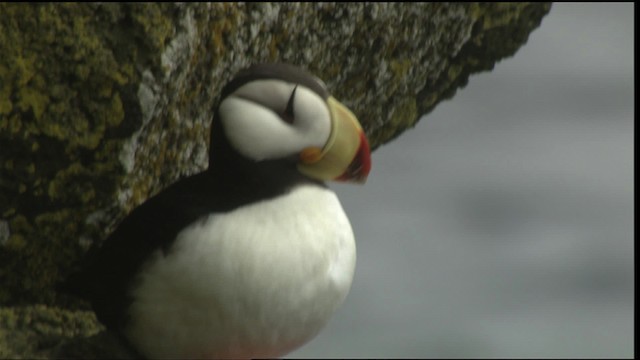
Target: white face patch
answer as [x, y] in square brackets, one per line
[253, 123]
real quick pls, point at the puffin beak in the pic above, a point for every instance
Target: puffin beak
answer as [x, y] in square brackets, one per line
[345, 156]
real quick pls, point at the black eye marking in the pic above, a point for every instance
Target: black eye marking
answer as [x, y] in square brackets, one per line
[288, 111]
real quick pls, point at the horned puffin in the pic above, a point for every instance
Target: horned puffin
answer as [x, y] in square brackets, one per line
[249, 258]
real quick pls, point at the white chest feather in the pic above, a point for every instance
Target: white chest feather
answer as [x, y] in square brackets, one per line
[256, 282]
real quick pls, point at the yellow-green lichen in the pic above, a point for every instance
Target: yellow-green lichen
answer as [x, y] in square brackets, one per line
[32, 331]
[10, 124]
[454, 71]
[220, 30]
[9, 212]
[47, 69]
[430, 100]
[36, 252]
[400, 68]
[65, 110]
[156, 26]
[5, 106]
[15, 242]
[502, 14]
[404, 115]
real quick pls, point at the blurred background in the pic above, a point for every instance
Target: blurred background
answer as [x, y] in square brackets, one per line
[502, 224]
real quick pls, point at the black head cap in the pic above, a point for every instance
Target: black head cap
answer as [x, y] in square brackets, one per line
[285, 72]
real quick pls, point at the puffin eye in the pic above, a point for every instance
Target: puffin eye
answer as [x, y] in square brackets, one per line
[288, 116]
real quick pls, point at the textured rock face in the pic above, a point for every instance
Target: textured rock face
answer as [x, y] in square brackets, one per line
[103, 105]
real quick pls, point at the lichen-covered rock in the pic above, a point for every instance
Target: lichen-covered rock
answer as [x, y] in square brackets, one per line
[104, 104]
[36, 331]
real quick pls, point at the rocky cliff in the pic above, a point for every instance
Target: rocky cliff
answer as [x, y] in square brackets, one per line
[103, 105]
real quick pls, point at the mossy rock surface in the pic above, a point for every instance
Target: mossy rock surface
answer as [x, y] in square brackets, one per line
[102, 105]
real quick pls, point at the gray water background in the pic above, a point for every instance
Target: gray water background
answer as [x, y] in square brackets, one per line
[502, 224]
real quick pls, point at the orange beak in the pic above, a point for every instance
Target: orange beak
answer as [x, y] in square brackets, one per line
[346, 155]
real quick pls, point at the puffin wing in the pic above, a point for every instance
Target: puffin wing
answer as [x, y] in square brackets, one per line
[109, 270]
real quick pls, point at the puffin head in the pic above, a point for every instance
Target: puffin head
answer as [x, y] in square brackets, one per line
[279, 112]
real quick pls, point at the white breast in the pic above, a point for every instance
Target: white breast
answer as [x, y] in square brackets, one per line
[256, 282]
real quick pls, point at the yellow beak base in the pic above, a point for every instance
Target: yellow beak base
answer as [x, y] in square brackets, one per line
[345, 156]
